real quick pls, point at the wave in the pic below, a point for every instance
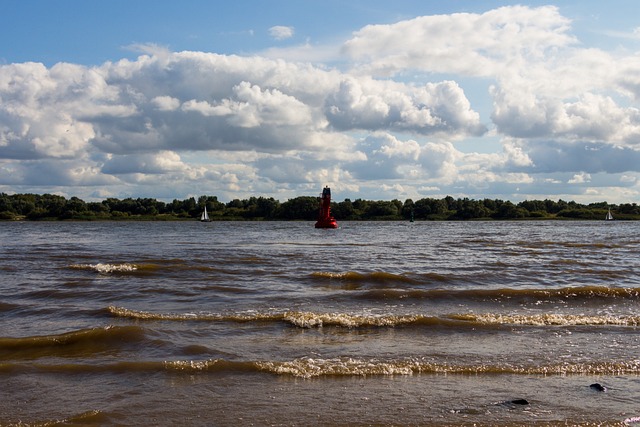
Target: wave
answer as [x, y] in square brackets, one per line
[107, 268]
[238, 317]
[382, 285]
[550, 244]
[5, 306]
[460, 321]
[308, 367]
[302, 319]
[549, 319]
[582, 293]
[372, 277]
[308, 319]
[93, 417]
[313, 367]
[148, 267]
[71, 343]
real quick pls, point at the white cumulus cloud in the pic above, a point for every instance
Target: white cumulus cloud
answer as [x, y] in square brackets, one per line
[281, 32]
[396, 106]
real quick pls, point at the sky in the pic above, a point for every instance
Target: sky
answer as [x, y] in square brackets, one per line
[379, 100]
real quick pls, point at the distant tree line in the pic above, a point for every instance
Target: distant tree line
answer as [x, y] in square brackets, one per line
[48, 206]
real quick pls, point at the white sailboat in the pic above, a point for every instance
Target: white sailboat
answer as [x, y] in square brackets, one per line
[205, 216]
[609, 217]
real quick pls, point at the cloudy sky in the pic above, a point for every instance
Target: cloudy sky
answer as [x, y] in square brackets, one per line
[379, 100]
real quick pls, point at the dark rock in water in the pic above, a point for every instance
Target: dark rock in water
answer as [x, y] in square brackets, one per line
[598, 387]
[512, 404]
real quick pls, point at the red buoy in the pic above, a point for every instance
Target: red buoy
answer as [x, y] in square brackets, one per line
[325, 220]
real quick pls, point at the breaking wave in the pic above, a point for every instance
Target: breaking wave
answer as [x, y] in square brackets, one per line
[308, 319]
[549, 319]
[302, 319]
[311, 367]
[107, 268]
[238, 317]
[308, 367]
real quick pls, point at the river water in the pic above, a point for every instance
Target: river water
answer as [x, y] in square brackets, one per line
[279, 323]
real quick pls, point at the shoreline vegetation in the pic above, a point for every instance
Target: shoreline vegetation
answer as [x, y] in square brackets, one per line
[36, 207]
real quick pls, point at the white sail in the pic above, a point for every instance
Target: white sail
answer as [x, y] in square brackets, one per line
[609, 217]
[205, 215]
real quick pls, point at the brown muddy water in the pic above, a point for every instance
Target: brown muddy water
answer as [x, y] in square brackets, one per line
[279, 323]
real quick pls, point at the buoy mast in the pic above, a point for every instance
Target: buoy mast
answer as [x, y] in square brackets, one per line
[325, 220]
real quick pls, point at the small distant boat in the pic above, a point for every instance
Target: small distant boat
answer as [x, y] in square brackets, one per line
[609, 217]
[205, 216]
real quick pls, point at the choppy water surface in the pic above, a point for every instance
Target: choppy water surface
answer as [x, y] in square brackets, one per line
[277, 323]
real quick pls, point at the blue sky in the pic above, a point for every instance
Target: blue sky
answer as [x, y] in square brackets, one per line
[380, 100]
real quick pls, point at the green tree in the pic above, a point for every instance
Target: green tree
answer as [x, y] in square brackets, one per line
[381, 209]
[98, 209]
[628, 209]
[508, 210]
[344, 210]
[303, 207]
[471, 209]
[267, 207]
[360, 206]
[408, 209]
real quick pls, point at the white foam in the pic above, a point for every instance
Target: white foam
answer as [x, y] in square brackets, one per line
[107, 268]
